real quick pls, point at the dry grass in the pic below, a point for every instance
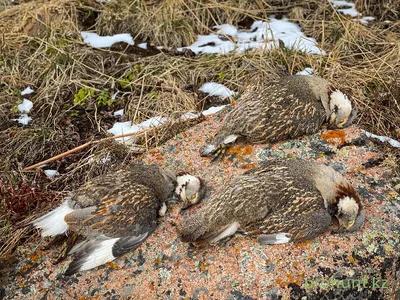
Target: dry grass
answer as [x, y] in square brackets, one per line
[41, 47]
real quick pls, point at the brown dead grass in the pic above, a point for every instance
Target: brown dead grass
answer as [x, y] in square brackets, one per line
[41, 47]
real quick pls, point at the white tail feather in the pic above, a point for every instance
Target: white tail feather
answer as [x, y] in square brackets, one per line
[227, 232]
[53, 223]
[101, 255]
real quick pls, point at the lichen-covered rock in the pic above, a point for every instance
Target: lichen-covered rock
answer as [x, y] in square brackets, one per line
[361, 265]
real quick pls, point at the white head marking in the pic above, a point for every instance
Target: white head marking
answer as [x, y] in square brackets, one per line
[340, 108]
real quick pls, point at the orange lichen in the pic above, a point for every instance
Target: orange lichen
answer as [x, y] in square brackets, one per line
[202, 266]
[112, 265]
[351, 259]
[35, 257]
[333, 135]
[249, 166]
[303, 244]
[240, 150]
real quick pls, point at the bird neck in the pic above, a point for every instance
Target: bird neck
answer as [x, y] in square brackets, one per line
[329, 182]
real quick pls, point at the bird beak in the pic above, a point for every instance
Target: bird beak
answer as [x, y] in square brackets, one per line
[191, 201]
[342, 124]
[348, 225]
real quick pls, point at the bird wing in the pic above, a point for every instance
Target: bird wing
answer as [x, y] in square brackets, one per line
[274, 114]
[303, 220]
[123, 211]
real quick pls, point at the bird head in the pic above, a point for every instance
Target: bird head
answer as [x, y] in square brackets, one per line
[341, 111]
[349, 214]
[190, 189]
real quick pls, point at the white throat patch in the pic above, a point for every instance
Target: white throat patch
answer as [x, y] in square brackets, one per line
[341, 101]
[348, 205]
[187, 184]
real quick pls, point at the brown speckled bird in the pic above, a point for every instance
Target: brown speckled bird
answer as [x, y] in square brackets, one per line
[279, 201]
[283, 109]
[117, 212]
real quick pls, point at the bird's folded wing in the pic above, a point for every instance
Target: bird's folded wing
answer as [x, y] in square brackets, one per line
[302, 221]
[129, 213]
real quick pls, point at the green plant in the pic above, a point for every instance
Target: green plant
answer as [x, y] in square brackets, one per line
[104, 98]
[126, 79]
[81, 97]
[221, 77]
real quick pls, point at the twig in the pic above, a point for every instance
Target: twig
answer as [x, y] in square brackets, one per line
[76, 149]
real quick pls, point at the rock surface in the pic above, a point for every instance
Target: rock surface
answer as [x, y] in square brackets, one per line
[361, 265]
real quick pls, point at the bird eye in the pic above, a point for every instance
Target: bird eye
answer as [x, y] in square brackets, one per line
[336, 109]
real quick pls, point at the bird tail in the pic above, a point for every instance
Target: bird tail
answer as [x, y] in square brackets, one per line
[53, 223]
[93, 253]
[219, 146]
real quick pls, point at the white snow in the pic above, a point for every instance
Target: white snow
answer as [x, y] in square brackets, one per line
[24, 119]
[210, 44]
[348, 8]
[127, 127]
[51, 173]
[227, 29]
[190, 115]
[212, 110]
[262, 35]
[25, 107]
[365, 20]
[306, 71]
[27, 91]
[114, 96]
[142, 45]
[217, 89]
[119, 113]
[94, 40]
[383, 139]
[153, 122]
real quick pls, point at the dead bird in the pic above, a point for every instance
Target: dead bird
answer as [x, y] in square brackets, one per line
[279, 201]
[283, 109]
[117, 212]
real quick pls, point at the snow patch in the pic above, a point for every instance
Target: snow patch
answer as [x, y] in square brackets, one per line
[24, 119]
[51, 173]
[217, 89]
[306, 71]
[350, 8]
[27, 91]
[127, 127]
[25, 107]
[365, 20]
[94, 40]
[262, 35]
[119, 113]
[383, 139]
[212, 110]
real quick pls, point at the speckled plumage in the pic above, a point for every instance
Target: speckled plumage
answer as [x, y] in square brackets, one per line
[292, 196]
[116, 212]
[282, 109]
